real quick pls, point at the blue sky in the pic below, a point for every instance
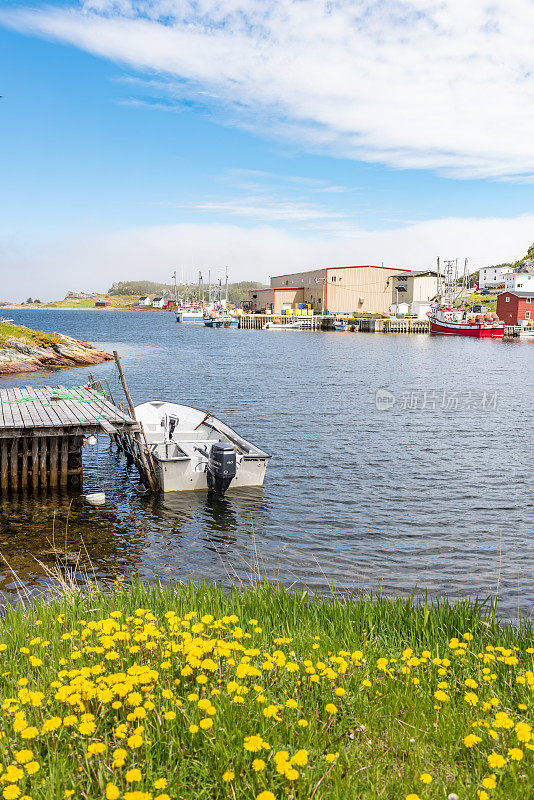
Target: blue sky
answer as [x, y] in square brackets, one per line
[122, 159]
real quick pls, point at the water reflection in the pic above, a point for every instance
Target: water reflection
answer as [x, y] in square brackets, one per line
[354, 497]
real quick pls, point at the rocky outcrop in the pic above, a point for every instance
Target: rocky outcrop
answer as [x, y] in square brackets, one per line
[526, 265]
[23, 355]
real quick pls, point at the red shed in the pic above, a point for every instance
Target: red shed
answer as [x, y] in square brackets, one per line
[102, 304]
[514, 307]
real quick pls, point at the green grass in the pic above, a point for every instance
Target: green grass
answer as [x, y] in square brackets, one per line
[37, 338]
[488, 300]
[263, 661]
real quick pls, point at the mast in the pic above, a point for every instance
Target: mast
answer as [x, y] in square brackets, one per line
[199, 289]
[226, 291]
[175, 297]
[209, 286]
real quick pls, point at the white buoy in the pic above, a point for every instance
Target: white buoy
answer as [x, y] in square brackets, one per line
[96, 498]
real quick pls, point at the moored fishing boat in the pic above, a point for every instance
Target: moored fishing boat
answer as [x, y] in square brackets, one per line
[343, 325]
[454, 321]
[445, 318]
[220, 320]
[189, 314]
[191, 450]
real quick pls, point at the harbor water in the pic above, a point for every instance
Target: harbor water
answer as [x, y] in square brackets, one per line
[398, 463]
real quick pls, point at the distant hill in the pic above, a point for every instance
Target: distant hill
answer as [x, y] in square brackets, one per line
[139, 288]
[525, 264]
[237, 292]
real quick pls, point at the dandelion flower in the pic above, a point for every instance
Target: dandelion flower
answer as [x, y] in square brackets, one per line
[425, 777]
[258, 764]
[265, 796]
[133, 775]
[471, 740]
[95, 748]
[330, 708]
[496, 760]
[331, 757]
[23, 756]
[515, 753]
[206, 723]
[29, 733]
[228, 776]
[253, 743]
[161, 783]
[489, 782]
[11, 792]
[300, 759]
[112, 792]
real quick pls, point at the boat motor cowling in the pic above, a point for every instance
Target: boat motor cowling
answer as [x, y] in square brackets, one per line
[221, 468]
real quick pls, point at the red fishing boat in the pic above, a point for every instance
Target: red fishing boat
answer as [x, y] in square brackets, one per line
[446, 319]
[454, 321]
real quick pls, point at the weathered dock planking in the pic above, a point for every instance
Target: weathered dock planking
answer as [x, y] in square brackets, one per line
[42, 431]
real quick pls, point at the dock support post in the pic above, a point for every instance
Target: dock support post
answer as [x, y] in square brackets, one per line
[54, 451]
[3, 466]
[14, 464]
[35, 463]
[42, 460]
[64, 468]
[24, 464]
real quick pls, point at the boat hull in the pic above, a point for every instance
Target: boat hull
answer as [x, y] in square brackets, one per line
[180, 454]
[189, 316]
[178, 477]
[476, 329]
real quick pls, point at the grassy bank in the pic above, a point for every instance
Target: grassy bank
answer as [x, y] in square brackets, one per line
[36, 338]
[188, 693]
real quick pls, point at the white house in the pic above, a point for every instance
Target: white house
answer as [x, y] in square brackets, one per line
[159, 302]
[145, 301]
[519, 280]
[489, 277]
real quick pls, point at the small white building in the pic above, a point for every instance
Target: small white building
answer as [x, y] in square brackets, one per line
[490, 277]
[522, 281]
[159, 302]
[145, 301]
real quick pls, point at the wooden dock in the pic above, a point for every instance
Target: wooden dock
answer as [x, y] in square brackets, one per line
[257, 321]
[319, 322]
[42, 432]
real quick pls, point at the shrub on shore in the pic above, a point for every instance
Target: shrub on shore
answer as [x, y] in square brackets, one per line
[151, 693]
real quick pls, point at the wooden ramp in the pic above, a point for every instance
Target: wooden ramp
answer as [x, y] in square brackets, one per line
[42, 432]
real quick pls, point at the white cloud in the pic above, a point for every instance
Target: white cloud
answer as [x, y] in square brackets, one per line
[446, 85]
[92, 260]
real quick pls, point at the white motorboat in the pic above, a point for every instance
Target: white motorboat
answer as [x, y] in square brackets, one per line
[193, 450]
[283, 326]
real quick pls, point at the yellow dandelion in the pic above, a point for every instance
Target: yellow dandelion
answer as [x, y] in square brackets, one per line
[496, 760]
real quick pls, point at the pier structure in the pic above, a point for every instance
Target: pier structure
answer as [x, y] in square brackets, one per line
[326, 322]
[43, 430]
[257, 321]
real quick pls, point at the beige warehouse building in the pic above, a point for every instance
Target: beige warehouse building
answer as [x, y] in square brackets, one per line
[339, 290]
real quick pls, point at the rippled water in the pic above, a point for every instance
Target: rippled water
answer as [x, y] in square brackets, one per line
[421, 495]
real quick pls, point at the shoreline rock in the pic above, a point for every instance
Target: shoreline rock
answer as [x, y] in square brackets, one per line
[21, 355]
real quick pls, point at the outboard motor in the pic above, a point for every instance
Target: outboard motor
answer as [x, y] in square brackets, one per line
[221, 468]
